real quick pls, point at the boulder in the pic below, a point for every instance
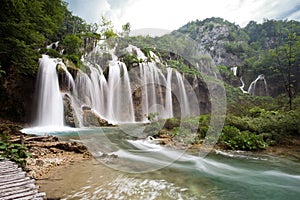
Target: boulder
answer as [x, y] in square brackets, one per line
[69, 113]
[92, 119]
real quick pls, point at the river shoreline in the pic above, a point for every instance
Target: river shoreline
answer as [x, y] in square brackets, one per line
[49, 154]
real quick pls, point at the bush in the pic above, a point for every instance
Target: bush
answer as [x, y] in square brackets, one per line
[172, 123]
[53, 53]
[13, 151]
[72, 44]
[235, 139]
[75, 59]
[130, 60]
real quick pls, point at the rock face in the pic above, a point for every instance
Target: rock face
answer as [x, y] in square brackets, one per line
[92, 119]
[214, 35]
[16, 96]
[70, 116]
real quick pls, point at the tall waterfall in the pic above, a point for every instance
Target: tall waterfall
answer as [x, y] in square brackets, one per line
[169, 104]
[116, 94]
[50, 110]
[119, 95]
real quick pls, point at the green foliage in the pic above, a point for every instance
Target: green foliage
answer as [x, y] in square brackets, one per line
[130, 59]
[274, 126]
[53, 53]
[184, 135]
[152, 116]
[13, 151]
[75, 59]
[24, 26]
[107, 29]
[126, 29]
[182, 67]
[235, 139]
[71, 44]
[237, 48]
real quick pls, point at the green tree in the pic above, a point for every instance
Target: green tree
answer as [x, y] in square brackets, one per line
[126, 29]
[107, 29]
[285, 60]
[24, 27]
[72, 44]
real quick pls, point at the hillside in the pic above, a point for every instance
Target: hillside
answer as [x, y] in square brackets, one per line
[270, 48]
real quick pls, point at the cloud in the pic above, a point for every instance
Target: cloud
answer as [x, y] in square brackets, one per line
[90, 10]
[172, 14]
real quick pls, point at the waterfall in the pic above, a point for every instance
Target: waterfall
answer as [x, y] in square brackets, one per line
[259, 86]
[119, 97]
[234, 70]
[243, 85]
[152, 82]
[184, 102]
[169, 104]
[115, 93]
[50, 110]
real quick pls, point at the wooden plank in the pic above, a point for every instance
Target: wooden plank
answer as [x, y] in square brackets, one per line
[17, 190]
[9, 177]
[14, 184]
[10, 170]
[19, 195]
[17, 183]
[39, 196]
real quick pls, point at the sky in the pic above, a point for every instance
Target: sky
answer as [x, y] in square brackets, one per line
[172, 14]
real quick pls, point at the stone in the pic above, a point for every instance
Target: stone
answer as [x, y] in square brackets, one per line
[70, 115]
[92, 119]
[86, 107]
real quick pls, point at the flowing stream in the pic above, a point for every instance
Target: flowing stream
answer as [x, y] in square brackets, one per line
[146, 170]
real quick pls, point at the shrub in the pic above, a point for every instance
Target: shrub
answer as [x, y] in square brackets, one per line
[75, 59]
[235, 139]
[53, 53]
[13, 151]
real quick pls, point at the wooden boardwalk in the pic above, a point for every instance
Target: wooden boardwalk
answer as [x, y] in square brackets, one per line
[14, 184]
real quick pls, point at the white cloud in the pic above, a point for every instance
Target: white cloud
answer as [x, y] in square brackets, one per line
[172, 14]
[90, 10]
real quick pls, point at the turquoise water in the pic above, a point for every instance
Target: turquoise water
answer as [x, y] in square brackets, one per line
[145, 170]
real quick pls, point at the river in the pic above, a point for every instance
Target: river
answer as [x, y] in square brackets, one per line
[142, 169]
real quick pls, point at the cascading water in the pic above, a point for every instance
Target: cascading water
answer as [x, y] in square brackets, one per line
[259, 86]
[185, 108]
[152, 81]
[243, 85]
[110, 92]
[50, 110]
[169, 104]
[234, 70]
[112, 96]
[119, 97]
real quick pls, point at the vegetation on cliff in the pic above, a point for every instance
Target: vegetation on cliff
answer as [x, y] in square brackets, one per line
[26, 28]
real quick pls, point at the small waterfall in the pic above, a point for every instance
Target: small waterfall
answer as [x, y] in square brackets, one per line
[234, 70]
[135, 50]
[259, 86]
[50, 110]
[243, 85]
[53, 45]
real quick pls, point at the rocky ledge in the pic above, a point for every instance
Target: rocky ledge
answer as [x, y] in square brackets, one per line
[47, 152]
